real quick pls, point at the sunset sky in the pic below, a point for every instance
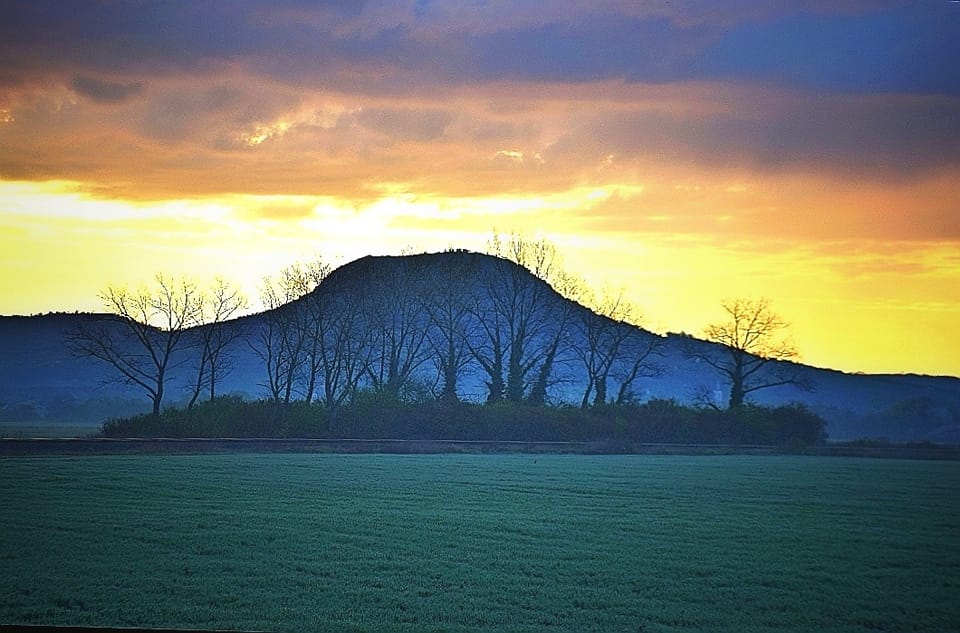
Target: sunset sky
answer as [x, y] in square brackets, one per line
[804, 151]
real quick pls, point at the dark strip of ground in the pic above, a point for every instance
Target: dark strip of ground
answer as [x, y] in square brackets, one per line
[10, 628]
[104, 446]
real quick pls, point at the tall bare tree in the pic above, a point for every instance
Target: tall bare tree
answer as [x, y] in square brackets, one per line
[557, 351]
[639, 358]
[143, 331]
[316, 318]
[514, 313]
[281, 337]
[611, 345]
[489, 347]
[521, 317]
[343, 349]
[397, 323]
[214, 336]
[599, 338]
[451, 324]
[753, 349]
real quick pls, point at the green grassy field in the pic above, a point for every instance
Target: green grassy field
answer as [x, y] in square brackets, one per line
[481, 542]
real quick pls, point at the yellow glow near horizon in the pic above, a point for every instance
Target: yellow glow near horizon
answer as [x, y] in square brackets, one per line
[867, 305]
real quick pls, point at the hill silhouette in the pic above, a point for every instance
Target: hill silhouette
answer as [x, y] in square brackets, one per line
[438, 325]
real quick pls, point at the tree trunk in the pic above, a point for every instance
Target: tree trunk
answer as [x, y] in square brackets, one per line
[514, 375]
[495, 386]
[449, 393]
[601, 390]
[736, 392]
[194, 396]
[585, 400]
[158, 394]
[311, 386]
[538, 393]
[494, 369]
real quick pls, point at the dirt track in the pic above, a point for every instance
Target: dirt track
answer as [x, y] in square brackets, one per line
[102, 446]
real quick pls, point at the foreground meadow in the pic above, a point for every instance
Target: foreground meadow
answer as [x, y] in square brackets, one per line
[481, 542]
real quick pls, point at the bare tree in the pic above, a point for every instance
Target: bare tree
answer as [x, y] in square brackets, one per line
[599, 339]
[343, 350]
[489, 348]
[540, 257]
[315, 319]
[397, 324]
[557, 351]
[334, 345]
[521, 317]
[214, 336]
[639, 358]
[448, 305]
[514, 312]
[610, 345]
[281, 337]
[142, 333]
[753, 349]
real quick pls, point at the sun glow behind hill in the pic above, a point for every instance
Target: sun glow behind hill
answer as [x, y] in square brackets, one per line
[859, 305]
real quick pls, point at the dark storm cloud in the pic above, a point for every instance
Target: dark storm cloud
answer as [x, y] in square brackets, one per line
[911, 48]
[599, 48]
[906, 48]
[881, 135]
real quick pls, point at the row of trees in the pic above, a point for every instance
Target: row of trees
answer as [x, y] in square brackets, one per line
[415, 328]
[410, 329]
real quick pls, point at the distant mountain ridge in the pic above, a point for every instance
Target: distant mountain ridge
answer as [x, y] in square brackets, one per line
[389, 309]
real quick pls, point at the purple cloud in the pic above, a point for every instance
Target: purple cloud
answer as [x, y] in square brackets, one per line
[102, 91]
[848, 46]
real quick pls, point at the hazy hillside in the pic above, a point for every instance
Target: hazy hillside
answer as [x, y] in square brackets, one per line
[388, 312]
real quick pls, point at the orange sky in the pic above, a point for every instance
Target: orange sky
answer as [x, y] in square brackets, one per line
[684, 177]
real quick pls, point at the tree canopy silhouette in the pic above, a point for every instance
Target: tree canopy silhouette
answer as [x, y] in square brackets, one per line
[153, 322]
[753, 345]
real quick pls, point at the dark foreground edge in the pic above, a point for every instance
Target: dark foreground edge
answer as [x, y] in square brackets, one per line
[110, 446]
[33, 628]
[81, 446]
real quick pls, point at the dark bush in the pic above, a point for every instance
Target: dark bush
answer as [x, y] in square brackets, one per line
[227, 416]
[377, 416]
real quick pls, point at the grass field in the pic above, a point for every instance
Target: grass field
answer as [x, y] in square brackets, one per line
[481, 542]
